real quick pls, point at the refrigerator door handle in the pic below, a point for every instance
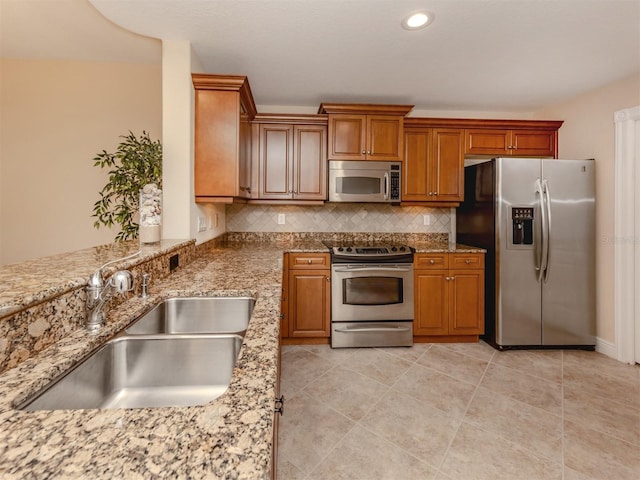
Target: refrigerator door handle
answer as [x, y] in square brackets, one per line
[542, 259]
[547, 201]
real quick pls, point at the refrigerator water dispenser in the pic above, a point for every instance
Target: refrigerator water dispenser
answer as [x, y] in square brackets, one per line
[522, 225]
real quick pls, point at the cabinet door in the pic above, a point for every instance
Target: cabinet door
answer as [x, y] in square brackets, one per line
[384, 137]
[276, 161]
[534, 143]
[309, 303]
[415, 171]
[431, 302]
[447, 161]
[216, 143]
[466, 302]
[347, 137]
[488, 142]
[310, 162]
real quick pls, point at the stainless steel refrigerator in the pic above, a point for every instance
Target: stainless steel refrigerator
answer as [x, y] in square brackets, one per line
[536, 218]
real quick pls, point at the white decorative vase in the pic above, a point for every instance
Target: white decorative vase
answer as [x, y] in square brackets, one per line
[150, 229]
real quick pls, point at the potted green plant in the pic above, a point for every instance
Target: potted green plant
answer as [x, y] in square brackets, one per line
[136, 162]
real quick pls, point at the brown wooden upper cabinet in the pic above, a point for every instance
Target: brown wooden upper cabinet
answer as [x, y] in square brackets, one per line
[365, 132]
[516, 142]
[433, 169]
[291, 157]
[224, 110]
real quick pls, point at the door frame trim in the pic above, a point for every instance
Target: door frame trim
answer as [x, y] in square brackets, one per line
[627, 235]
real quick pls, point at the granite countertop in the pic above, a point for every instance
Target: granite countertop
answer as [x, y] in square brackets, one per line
[230, 437]
[431, 247]
[33, 281]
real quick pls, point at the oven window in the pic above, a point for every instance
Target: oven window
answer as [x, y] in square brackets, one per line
[358, 185]
[372, 291]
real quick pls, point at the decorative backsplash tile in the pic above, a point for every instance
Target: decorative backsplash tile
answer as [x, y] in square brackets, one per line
[337, 217]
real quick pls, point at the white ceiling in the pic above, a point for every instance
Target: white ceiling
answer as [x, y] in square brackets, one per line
[498, 55]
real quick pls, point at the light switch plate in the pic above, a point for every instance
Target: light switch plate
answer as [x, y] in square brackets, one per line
[281, 219]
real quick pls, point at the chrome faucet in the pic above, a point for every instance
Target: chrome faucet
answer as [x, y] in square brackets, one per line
[100, 290]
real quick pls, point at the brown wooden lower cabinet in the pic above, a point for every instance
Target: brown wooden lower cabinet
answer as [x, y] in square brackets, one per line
[449, 296]
[306, 300]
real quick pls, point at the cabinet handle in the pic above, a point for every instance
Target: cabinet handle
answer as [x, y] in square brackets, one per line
[430, 193]
[282, 316]
[363, 152]
[432, 261]
[290, 191]
[467, 261]
[435, 193]
[328, 279]
[368, 152]
[309, 261]
[279, 406]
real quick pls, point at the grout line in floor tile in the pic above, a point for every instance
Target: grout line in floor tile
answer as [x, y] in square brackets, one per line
[453, 437]
[331, 450]
[391, 442]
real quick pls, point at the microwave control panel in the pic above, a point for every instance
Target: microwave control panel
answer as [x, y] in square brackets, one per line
[395, 185]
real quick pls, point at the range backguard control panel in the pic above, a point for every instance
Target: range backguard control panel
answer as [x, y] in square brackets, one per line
[522, 224]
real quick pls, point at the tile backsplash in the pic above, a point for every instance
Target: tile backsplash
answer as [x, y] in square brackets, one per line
[338, 217]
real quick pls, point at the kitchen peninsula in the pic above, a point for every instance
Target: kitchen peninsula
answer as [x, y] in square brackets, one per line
[230, 437]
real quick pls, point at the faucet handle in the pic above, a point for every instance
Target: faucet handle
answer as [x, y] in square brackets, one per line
[122, 281]
[145, 285]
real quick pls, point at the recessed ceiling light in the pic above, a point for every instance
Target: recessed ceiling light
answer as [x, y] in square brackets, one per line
[417, 20]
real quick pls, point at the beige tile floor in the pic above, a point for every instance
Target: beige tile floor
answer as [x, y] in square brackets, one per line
[457, 411]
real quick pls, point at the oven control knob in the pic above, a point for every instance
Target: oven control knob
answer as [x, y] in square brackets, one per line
[402, 249]
[340, 249]
[393, 249]
[348, 249]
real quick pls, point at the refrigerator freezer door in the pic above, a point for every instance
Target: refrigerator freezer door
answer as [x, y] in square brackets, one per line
[518, 292]
[568, 288]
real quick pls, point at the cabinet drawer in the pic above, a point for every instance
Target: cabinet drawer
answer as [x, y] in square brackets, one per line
[306, 261]
[424, 261]
[466, 260]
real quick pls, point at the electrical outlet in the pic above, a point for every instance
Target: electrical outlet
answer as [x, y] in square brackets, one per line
[427, 219]
[281, 219]
[202, 224]
[215, 220]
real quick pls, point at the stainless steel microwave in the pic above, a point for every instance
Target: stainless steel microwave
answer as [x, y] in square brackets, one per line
[367, 181]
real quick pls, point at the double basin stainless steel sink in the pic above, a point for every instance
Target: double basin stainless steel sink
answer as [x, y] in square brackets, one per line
[180, 353]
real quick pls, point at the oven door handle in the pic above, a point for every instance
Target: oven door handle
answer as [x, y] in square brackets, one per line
[372, 329]
[376, 269]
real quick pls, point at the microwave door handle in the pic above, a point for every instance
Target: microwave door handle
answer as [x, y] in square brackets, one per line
[386, 185]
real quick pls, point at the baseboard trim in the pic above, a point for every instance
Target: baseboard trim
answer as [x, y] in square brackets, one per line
[606, 348]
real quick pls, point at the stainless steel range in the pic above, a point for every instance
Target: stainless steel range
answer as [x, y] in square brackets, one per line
[371, 296]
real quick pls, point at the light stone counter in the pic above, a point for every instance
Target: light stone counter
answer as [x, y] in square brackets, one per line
[231, 437]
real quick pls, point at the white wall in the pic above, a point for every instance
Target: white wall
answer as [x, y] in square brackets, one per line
[588, 132]
[55, 117]
[180, 216]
